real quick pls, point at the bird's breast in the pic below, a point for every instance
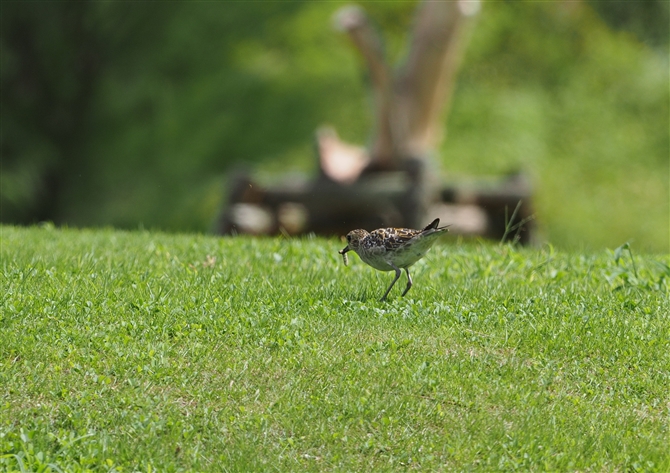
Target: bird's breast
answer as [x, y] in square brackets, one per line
[376, 259]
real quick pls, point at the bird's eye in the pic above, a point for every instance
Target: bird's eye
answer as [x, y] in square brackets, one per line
[349, 238]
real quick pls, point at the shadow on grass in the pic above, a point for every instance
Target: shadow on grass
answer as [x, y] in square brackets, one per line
[371, 295]
[352, 295]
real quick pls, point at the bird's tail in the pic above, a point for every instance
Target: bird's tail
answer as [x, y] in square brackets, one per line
[434, 225]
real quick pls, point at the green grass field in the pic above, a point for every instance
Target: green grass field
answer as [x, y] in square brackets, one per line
[140, 351]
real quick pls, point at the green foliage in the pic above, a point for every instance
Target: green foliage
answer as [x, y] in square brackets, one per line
[585, 111]
[647, 19]
[130, 114]
[627, 276]
[153, 352]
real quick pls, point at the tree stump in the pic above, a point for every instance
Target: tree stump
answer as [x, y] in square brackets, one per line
[393, 183]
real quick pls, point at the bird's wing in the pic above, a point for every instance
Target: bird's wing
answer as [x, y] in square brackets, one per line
[392, 238]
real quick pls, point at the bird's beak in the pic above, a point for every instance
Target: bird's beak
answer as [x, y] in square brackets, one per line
[344, 250]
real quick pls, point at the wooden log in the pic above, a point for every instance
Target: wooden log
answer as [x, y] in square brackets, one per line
[425, 82]
[379, 200]
[392, 183]
[409, 105]
[353, 20]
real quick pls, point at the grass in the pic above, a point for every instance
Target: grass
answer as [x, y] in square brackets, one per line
[140, 351]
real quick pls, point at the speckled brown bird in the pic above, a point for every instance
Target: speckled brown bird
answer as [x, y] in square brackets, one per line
[390, 249]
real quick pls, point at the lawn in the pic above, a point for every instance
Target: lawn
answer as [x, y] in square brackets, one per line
[143, 351]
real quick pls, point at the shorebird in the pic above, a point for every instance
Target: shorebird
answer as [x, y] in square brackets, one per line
[390, 249]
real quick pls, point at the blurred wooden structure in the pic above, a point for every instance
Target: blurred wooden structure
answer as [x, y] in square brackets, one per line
[393, 183]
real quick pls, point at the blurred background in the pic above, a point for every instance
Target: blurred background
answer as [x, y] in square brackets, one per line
[132, 114]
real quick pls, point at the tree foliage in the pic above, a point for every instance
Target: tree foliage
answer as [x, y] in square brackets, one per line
[131, 113]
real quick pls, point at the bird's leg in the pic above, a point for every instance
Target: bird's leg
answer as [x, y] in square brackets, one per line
[409, 283]
[397, 276]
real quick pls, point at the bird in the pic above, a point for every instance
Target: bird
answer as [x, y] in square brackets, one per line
[390, 249]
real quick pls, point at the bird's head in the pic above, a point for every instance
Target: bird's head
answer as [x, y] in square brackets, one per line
[354, 239]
